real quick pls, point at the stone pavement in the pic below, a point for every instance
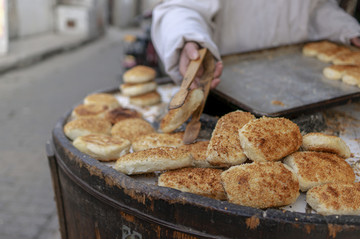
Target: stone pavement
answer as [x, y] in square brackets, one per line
[32, 99]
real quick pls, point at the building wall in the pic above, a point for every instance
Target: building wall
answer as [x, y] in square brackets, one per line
[30, 17]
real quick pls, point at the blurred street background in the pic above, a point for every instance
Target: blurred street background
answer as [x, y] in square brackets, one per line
[53, 53]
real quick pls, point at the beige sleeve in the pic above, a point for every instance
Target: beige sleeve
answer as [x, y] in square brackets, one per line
[178, 21]
[329, 21]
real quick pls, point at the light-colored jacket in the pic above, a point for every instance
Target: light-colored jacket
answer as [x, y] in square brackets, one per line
[234, 26]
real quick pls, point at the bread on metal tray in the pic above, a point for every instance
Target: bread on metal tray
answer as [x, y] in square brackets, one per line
[337, 72]
[352, 76]
[347, 58]
[314, 48]
[328, 55]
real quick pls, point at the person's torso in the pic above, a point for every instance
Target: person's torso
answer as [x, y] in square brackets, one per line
[244, 25]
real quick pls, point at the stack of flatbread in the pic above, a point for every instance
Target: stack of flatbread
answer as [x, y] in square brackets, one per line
[257, 162]
[140, 86]
[101, 128]
[95, 105]
[345, 62]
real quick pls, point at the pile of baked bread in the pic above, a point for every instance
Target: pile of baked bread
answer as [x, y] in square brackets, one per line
[345, 62]
[140, 86]
[257, 162]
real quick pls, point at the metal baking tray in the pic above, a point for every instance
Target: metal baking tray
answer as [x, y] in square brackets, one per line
[280, 82]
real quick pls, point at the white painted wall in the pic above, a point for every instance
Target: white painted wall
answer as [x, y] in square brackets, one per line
[34, 16]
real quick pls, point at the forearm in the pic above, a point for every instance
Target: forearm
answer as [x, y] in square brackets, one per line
[175, 23]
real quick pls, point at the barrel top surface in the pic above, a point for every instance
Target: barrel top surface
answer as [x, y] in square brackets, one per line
[349, 115]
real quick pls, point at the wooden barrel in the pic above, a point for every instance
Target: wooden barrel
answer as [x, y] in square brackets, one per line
[96, 201]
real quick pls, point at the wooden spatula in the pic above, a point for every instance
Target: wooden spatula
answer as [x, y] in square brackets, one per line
[193, 127]
[179, 98]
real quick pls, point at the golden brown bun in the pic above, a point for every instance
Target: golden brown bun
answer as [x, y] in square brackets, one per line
[155, 140]
[347, 58]
[102, 147]
[224, 146]
[336, 72]
[85, 126]
[147, 99]
[201, 181]
[269, 139]
[335, 198]
[132, 128]
[352, 76]
[139, 74]
[176, 117]
[261, 185]
[314, 48]
[329, 55]
[325, 143]
[102, 99]
[152, 160]
[316, 168]
[129, 89]
[93, 110]
[198, 151]
[120, 113]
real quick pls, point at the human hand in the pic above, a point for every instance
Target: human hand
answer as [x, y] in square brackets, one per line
[355, 41]
[189, 53]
